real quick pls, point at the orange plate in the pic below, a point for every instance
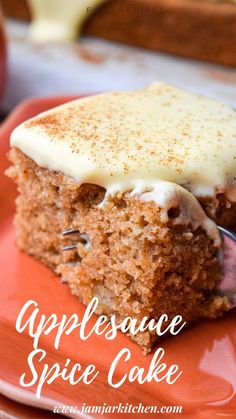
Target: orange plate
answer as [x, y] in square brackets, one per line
[206, 354]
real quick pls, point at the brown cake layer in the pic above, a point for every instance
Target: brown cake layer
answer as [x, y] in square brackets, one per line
[134, 263]
[204, 30]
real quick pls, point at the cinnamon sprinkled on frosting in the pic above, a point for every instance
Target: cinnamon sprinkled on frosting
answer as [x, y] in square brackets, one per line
[157, 133]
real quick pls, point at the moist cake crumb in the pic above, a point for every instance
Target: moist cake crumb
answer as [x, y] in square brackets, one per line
[133, 262]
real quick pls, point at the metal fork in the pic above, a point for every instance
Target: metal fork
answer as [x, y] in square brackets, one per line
[82, 238]
[227, 286]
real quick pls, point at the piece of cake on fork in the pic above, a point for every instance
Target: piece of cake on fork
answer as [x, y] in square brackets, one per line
[143, 177]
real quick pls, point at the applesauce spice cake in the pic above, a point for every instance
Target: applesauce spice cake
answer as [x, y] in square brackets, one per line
[143, 177]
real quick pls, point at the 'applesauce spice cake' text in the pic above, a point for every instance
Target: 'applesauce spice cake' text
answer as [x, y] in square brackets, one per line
[144, 177]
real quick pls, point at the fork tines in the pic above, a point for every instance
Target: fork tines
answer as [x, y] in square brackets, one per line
[70, 247]
[68, 232]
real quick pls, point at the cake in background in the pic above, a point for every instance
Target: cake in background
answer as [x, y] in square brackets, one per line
[200, 29]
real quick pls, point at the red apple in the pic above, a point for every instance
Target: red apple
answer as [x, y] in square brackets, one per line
[2, 55]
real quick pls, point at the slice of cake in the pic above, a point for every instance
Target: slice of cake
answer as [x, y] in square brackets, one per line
[143, 177]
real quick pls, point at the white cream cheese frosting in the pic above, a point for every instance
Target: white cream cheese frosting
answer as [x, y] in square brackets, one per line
[160, 132]
[121, 140]
[59, 20]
